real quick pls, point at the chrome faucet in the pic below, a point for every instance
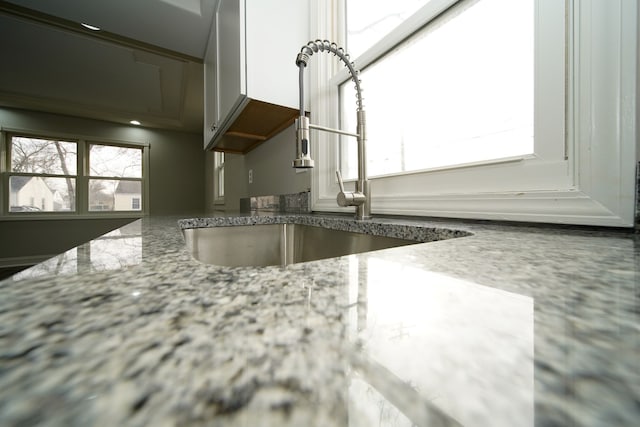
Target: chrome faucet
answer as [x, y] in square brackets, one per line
[361, 198]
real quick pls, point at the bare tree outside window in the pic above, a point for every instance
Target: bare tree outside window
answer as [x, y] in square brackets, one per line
[108, 166]
[45, 177]
[115, 162]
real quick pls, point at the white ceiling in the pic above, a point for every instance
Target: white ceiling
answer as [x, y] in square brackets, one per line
[145, 64]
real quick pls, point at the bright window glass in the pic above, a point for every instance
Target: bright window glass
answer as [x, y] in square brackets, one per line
[43, 175]
[43, 156]
[461, 92]
[115, 163]
[51, 175]
[369, 21]
[115, 195]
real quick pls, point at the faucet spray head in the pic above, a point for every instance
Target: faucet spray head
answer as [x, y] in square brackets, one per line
[303, 156]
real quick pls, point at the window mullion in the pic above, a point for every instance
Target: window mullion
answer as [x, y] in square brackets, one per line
[82, 180]
[146, 164]
[4, 180]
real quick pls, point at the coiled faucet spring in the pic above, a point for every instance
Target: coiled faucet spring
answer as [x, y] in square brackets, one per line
[326, 46]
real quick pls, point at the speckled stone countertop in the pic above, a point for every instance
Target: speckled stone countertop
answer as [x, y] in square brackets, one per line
[502, 326]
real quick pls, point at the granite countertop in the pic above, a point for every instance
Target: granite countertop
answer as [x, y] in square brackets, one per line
[501, 326]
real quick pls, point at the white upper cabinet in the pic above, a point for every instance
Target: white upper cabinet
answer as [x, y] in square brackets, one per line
[251, 80]
[210, 78]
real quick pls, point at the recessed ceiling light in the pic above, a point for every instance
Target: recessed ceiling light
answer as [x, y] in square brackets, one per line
[90, 27]
[135, 122]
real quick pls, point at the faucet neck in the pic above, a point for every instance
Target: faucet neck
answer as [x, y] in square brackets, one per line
[363, 211]
[326, 46]
[361, 198]
[362, 144]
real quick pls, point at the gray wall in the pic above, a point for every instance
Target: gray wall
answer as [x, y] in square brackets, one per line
[272, 171]
[271, 165]
[176, 181]
[176, 159]
[235, 181]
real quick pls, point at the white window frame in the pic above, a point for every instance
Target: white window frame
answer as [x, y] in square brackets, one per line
[82, 176]
[583, 169]
[218, 177]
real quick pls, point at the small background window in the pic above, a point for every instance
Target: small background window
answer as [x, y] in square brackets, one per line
[115, 181]
[42, 175]
[45, 174]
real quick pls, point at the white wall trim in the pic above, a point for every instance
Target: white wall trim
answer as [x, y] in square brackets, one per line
[24, 261]
[602, 130]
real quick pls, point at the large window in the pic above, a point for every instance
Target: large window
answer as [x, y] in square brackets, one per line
[115, 181]
[464, 90]
[368, 22]
[494, 109]
[72, 176]
[43, 175]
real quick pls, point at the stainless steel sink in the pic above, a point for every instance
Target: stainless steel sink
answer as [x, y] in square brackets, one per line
[279, 244]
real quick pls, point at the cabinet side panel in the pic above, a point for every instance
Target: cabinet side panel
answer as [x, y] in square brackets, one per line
[230, 21]
[275, 31]
[210, 84]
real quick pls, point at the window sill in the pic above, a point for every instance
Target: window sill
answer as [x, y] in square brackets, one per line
[53, 217]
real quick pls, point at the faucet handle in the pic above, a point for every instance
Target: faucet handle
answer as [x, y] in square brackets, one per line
[340, 183]
[348, 198]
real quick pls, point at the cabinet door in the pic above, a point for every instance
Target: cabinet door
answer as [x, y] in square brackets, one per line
[211, 117]
[231, 46]
[275, 31]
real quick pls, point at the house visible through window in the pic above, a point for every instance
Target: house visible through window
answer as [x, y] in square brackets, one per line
[115, 177]
[42, 170]
[46, 175]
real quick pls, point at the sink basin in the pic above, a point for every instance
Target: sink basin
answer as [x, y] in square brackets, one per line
[279, 244]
